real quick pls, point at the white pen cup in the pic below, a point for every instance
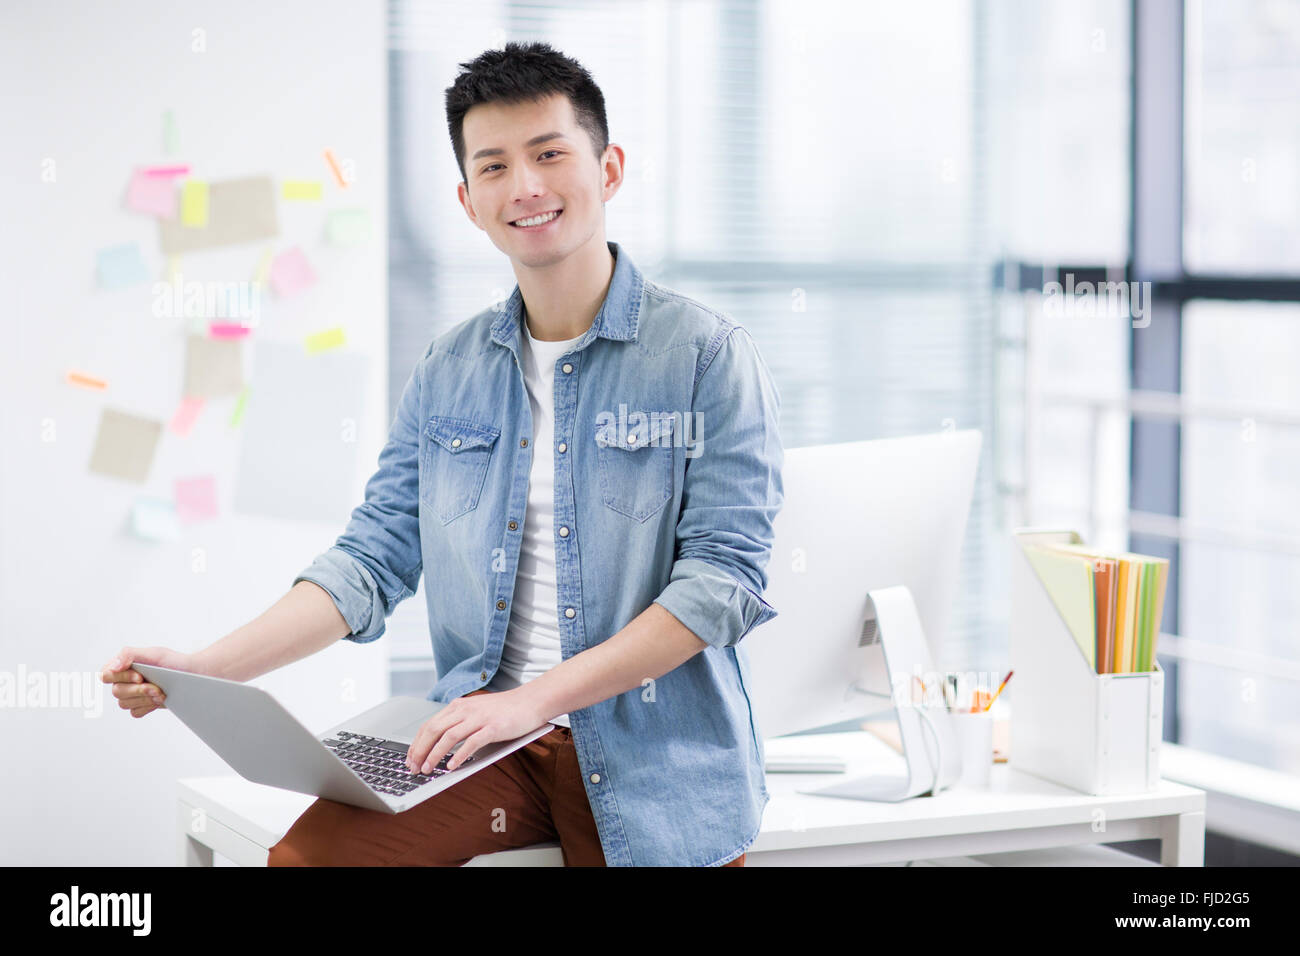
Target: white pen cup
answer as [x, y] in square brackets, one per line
[974, 733]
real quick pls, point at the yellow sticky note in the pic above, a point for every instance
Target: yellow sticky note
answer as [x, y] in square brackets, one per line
[329, 339]
[301, 189]
[263, 268]
[194, 203]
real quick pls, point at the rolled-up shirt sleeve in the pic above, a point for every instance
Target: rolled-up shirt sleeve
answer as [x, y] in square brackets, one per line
[731, 496]
[376, 563]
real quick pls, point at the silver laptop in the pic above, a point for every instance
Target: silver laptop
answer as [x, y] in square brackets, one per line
[361, 762]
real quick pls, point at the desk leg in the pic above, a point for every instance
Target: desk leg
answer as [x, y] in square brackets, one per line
[1182, 839]
[191, 851]
[194, 853]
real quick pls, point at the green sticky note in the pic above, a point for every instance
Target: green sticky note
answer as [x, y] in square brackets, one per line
[169, 133]
[238, 415]
[348, 227]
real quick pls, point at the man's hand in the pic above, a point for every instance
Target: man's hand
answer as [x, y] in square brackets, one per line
[132, 691]
[477, 720]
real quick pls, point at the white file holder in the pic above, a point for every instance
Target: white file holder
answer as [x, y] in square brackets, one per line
[1097, 733]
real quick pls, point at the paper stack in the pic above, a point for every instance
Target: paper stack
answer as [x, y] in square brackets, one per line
[1112, 602]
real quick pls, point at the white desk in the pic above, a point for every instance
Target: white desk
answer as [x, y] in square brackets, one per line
[1019, 812]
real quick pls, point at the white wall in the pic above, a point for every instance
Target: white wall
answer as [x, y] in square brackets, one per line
[86, 84]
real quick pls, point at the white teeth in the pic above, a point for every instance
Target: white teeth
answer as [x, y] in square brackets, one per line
[537, 220]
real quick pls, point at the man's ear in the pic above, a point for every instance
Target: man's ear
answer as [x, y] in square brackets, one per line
[612, 170]
[462, 194]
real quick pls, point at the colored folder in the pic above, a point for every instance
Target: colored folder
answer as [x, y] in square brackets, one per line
[1112, 602]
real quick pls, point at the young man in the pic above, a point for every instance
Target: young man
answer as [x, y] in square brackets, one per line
[587, 478]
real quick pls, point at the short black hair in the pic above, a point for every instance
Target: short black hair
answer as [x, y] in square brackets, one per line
[524, 72]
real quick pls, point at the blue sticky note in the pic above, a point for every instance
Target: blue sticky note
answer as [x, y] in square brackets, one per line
[155, 520]
[121, 266]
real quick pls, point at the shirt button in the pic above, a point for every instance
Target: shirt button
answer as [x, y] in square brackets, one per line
[501, 605]
[563, 448]
[569, 612]
[483, 676]
[455, 443]
[523, 443]
[564, 532]
[595, 778]
[631, 439]
[512, 525]
[567, 368]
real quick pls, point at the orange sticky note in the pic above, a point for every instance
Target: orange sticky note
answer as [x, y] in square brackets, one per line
[83, 380]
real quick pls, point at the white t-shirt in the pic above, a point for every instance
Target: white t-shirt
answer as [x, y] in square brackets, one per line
[533, 635]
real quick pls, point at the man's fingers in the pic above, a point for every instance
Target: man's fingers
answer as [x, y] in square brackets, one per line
[137, 694]
[468, 748]
[119, 677]
[125, 689]
[440, 749]
[433, 728]
[120, 663]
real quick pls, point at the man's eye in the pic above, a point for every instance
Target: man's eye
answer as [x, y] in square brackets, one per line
[488, 169]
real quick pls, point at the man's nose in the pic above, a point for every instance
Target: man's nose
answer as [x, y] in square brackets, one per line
[527, 184]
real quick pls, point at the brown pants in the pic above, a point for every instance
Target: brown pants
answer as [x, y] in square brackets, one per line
[534, 795]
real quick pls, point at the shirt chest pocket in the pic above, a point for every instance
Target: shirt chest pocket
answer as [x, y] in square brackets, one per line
[454, 460]
[635, 467]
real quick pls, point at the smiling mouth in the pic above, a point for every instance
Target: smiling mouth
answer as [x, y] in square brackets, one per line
[557, 212]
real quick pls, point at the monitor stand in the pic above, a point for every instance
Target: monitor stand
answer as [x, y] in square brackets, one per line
[929, 746]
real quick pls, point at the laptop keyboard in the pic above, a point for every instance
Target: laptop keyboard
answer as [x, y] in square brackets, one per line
[382, 763]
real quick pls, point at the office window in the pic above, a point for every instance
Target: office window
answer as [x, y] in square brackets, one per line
[1059, 78]
[1242, 139]
[1059, 81]
[1240, 595]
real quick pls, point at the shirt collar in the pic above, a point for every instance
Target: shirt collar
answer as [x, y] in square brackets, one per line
[618, 315]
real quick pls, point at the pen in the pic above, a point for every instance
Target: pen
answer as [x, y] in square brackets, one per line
[1003, 684]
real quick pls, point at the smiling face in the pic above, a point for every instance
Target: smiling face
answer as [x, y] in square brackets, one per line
[526, 160]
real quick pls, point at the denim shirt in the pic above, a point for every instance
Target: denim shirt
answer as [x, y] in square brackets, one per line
[667, 480]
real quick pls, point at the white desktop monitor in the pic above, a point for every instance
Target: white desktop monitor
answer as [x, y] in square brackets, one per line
[858, 516]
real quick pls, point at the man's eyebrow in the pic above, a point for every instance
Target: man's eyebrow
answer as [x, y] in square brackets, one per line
[535, 141]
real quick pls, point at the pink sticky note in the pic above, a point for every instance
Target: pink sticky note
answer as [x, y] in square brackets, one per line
[167, 171]
[186, 414]
[196, 498]
[227, 330]
[291, 273]
[154, 195]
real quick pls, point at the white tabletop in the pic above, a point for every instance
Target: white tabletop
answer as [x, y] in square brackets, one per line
[1014, 800]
